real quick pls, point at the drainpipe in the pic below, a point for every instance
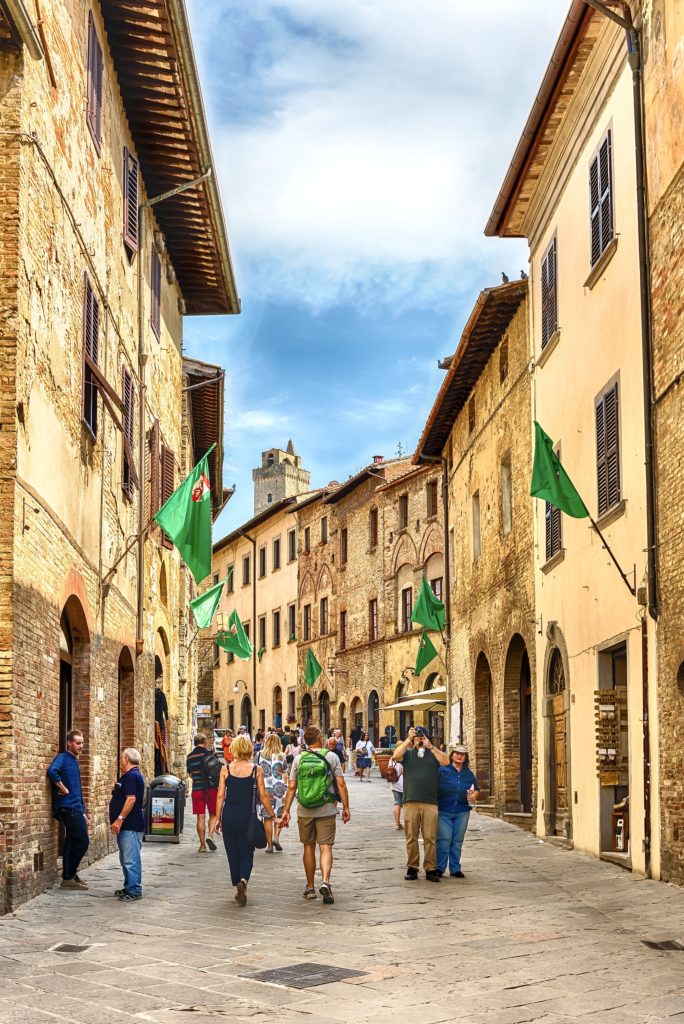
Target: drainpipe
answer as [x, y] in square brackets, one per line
[252, 541]
[24, 26]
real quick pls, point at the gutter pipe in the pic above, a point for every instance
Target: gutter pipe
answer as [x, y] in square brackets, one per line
[24, 26]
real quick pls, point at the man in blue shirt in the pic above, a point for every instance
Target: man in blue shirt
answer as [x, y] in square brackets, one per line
[127, 821]
[68, 808]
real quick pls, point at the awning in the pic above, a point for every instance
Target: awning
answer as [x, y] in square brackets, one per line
[416, 702]
[436, 691]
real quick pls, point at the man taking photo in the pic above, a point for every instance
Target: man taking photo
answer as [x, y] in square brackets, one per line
[420, 761]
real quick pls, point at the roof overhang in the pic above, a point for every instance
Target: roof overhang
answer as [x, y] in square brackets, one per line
[491, 315]
[205, 384]
[155, 64]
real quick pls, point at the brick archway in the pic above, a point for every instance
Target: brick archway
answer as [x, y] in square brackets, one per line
[126, 730]
[517, 728]
[483, 728]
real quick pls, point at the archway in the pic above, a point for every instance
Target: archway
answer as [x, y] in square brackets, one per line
[403, 719]
[324, 712]
[342, 719]
[356, 716]
[246, 713]
[277, 707]
[373, 716]
[557, 814]
[517, 737]
[162, 738]
[307, 709]
[74, 687]
[483, 728]
[125, 736]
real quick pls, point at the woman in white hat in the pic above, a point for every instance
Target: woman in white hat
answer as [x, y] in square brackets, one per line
[458, 792]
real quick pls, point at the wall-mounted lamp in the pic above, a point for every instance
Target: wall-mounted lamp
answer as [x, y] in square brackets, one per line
[236, 686]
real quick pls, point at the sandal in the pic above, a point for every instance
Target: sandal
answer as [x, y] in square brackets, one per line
[241, 894]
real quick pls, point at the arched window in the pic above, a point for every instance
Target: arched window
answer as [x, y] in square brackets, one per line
[556, 681]
[269, 498]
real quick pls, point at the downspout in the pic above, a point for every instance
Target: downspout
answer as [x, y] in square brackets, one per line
[252, 541]
[24, 25]
[142, 362]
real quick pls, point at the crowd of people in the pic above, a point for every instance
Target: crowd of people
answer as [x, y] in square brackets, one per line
[247, 796]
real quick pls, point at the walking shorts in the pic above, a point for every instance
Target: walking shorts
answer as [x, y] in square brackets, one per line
[204, 799]
[317, 830]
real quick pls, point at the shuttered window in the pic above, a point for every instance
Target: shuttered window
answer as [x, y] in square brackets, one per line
[608, 450]
[343, 546]
[553, 530]
[373, 527]
[601, 199]
[167, 483]
[155, 315]
[129, 476]
[549, 294]
[130, 198]
[94, 84]
[403, 511]
[323, 623]
[307, 621]
[153, 470]
[91, 346]
[373, 619]
[406, 609]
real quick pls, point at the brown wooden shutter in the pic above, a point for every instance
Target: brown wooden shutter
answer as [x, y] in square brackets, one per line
[155, 315]
[607, 451]
[95, 79]
[130, 197]
[129, 475]
[553, 530]
[549, 294]
[601, 199]
[167, 487]
[91, 329]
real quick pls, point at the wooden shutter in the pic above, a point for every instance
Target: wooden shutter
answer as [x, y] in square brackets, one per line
[130, 197]
[553, 530]
[167, 487]
[153, 469]
[607, 450]
[129, 475]
[155, 315]
[95, 79]
[91, 329]
[549, 295]
[601, 199]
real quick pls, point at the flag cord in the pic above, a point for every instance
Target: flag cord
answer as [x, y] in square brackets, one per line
[632, 589]
[107, 579]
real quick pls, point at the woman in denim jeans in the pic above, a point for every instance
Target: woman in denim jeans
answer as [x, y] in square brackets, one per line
[458, 792]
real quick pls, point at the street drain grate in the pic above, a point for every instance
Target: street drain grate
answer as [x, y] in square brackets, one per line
[67, 947]
[669, 945]
[304, 975]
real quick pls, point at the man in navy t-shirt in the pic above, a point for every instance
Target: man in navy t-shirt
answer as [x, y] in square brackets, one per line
[127, 822]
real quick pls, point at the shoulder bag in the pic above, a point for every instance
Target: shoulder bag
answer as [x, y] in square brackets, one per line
[256, 833]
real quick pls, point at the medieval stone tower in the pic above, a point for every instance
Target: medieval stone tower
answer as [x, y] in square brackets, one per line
[279, 476]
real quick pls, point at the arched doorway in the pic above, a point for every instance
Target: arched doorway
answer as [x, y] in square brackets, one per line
[373, 718]
[277, 707]
[356, 719]
[483, 728]
[342, 720]
[307, 709]
[435, 717]
[246, 713]
[74, 687]
[324, 712]
[557, 815]
[517, 738]
[126, 710]
[403, 719]
[162, 738]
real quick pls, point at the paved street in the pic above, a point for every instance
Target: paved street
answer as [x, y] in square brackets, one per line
[534, 933]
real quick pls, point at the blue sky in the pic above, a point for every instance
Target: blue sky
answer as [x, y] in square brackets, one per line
[359, 146]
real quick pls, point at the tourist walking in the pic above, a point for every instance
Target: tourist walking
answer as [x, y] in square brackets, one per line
[225, 745]
[395, 777]
[272, 760]
[340, 748]
[69, 809]
[203, 767]
[235, 804]
[317, 780]
[293, 748]
[364, 756]
[127, 823]
[458, 791]
[420, 761]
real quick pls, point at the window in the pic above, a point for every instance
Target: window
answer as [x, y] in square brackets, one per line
[608, 450]
[262, 562]
[324, 530]
[269, 498]
[403, 511]
[155, 284]
[217, 654]
[307, 540]
[231, 717]
[436, 585]
[168, 468]
[324, 625]
[373, 618]
[343, 546]
[406, 609]
[471, 414]
[506, 496]
[130, 200]
[262, 632]
[552, 517]
[292, 622]
[245, 571]
[230, 657]
[431, 494]
[94, 78]
[549, 295]
[373, 527]
[276, 553]
[307, 621]
[503, 360]
[230, 586]
[476, 525]
[276, 628]
[343, 631]
[601, 199]
[291, 545]
[129, 477]
[91, 345]
[245, 626]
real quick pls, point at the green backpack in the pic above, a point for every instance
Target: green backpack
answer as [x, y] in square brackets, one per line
[315, 780]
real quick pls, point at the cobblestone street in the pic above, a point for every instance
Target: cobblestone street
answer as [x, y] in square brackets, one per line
[533, 933]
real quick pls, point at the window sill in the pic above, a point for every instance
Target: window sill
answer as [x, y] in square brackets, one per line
[549, 347]
[612, 514]
[276, 568]
[553, 561]
[602, 262]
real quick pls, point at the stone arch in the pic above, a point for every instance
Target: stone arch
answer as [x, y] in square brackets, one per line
[246, 713]
[483, 739]
[125, 726]
[74, 689]
[342, 719]
[432, 542]
[373, 717]
[307, 585]
[324, 580]
[556, 713]
[324, 712]
[307, 709]
[277, 705]
[356, 712]
[404, 552]
[517, 727]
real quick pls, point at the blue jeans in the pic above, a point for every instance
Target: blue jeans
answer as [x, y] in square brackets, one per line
[451, 830]
[130, 845]
[75, 840]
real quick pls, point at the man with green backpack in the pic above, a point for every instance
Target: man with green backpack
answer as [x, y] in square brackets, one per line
[317, 780]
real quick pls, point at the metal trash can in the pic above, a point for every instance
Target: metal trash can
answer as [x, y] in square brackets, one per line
[164, 810]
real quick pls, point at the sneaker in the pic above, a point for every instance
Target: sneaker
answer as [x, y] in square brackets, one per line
[119, 892]
[411, 874]
[269, 849]
[310, 894]
[432, 876]
[457, 874]
[81, 883]
[277, 846]
[439, 872]
[241, 894]
[202, 849]
[130, 897]
[326, 892]
[212, 845]
[71, 883]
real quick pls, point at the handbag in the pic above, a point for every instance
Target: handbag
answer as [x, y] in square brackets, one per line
[256, 833]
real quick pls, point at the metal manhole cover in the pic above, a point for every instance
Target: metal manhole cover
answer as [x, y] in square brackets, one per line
[67, 947]
[667, 945]
[304, 975]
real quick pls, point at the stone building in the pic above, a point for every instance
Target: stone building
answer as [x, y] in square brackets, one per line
[571, 191]
[279, 476]
[479, 430]
[93, 288]
[662, 35]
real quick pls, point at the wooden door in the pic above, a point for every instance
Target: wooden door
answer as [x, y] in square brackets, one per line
[558, 797]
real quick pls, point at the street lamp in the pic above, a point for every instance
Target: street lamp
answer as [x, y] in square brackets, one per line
[236, 686]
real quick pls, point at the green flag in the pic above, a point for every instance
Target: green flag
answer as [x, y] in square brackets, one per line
[186, 519]
[260, 653]
[313, 669]
[429, 610]
[204, 607]
[426, 652]
[550, 481]
[234, 639]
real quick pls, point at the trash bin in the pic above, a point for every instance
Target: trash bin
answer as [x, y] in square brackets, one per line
[164, 810]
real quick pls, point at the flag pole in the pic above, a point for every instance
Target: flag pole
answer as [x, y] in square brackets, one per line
[617, 565]
[106, 579]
